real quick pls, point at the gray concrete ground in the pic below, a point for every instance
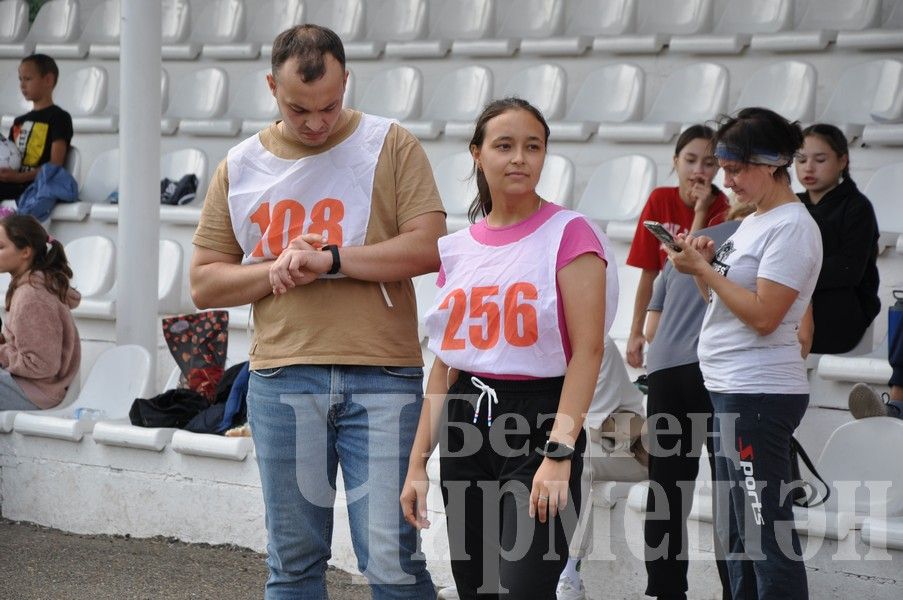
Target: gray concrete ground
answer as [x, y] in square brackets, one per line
[37, 563]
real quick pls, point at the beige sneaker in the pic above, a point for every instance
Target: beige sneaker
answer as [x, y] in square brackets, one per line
[865, 402]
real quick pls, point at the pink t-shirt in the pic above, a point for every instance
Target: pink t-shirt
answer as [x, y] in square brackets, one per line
[578, 238]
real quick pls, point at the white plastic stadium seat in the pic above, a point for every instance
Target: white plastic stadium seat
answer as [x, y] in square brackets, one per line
[658, 21]
[449, 21]
[169, 277]
[93, 262]
[556, 183]
[220, 22]
[395, 21]
[425, 291]
[862, 451]
[71, 211]
[102, 30]
[541, 85]
[516, 19]
[252, 107]
[56, 30]
[198, 95]
[252, 99]
[820, 24]
[8, 417]
[588, 19]
[12, 103]
[393, 93]
[616, 192]
[692, 94]
[176, 22]
[457, 187]
[787, 87]
[455, 104]
[102, 178]
[84, 94]
[612, 94]
[740, 20]
[347, 19]
[888, 37]
[177, 164]
[348, 98]
[887, 108]
[265, 20]
[883, 189]
[14, 29]
[119, 375]
[864, 90]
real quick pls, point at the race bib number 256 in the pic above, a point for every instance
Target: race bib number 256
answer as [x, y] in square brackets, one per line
[514, 317]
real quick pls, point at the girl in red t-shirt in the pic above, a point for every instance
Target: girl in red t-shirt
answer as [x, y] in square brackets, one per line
[695, 203]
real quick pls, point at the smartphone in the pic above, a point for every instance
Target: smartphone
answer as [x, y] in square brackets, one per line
[662, 234]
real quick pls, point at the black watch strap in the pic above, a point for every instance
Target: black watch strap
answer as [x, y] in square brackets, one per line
[557, 451]
[336, 261]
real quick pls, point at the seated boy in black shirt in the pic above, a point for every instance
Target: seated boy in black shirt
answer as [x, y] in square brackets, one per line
[44, 133]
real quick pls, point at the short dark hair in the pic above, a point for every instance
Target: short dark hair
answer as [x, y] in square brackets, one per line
[482, 204]
[309, 44]
[44, 64]
[833, 137]
[756, 130]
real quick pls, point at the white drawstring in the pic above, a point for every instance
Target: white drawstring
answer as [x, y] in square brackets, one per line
[485, 390]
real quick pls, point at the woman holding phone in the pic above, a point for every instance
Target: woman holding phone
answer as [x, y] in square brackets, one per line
[759, 283]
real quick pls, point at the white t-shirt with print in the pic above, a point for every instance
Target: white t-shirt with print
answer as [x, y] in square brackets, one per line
[782, 245]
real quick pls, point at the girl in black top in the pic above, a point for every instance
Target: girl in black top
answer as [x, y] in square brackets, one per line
[845, 300]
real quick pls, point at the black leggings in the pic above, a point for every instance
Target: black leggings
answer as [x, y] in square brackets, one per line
[678, 392]
[497, 550]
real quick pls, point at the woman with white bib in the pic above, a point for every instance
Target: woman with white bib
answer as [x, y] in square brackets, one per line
[518, 331]
[759, 284]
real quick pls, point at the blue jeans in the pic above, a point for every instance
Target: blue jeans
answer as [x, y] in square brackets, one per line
[752, 469]
[306, 420]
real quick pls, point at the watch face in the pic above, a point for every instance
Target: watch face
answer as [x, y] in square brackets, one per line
[557, 450]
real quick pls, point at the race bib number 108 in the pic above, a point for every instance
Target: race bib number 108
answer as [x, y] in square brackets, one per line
[288, 220]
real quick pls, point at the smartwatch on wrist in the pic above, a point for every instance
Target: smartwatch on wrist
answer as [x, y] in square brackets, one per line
[336, 261]
[557, 451]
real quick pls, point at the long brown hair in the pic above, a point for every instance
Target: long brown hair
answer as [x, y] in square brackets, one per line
[482, 204]
[47, 255]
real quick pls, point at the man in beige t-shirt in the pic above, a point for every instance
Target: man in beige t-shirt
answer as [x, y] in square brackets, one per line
[349, 200]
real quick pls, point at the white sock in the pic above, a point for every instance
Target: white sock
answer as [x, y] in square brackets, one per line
[570, 570]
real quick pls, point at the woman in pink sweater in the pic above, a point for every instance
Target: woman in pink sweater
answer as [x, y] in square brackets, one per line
[40, 351]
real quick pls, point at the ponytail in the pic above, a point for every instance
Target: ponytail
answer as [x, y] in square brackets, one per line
[48, 255]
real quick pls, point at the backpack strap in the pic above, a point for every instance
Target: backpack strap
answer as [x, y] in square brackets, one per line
[797, 449]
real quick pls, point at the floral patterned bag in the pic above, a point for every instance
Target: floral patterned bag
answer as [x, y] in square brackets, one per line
[198, 342]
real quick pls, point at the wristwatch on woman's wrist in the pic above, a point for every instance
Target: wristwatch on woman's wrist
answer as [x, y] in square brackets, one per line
[557, 451]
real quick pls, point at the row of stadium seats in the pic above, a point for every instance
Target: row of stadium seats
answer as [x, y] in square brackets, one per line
[866, 102]
[235, 29]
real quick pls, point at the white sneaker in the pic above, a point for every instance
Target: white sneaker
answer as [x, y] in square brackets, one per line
[449, 593]
[568, 589]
